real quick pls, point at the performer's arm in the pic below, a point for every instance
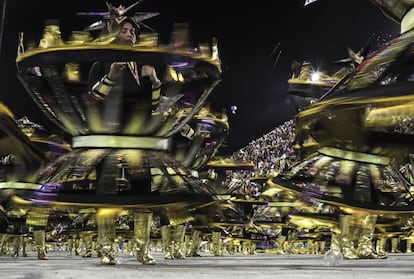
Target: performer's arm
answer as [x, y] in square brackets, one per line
[101, 84]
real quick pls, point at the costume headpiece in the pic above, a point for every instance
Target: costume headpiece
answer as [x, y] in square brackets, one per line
[116, 16]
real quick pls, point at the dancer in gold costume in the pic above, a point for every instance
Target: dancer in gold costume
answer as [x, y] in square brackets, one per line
[121, 126]
[360, 148]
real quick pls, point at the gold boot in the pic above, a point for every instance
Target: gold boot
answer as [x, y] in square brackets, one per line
[281, 239]
[105, 219]
[70, 245]
[130, 247]
[195, 242]
[252, 248]
[229, 246]
[322, 245]
[335, 246]
[24, 246]
[3, 244]
[310, 247]
[217, 244]
[78, 245]
[179, 233]
[166, 242]
[37, 218]
[187, 244]
[87, 239]
[7, 246]
[365, 249]
[291, 240]
[245, 247]
[142, 231]
[107, 254]
[116, 246]
[395, 242]
[236, 245]
[16, 246]
[408, 246]
[345, 240]
[381, 243]
[39, 239]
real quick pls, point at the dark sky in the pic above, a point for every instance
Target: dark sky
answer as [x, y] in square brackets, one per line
[255, 70]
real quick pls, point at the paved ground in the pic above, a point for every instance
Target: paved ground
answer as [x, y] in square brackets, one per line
[237, 266]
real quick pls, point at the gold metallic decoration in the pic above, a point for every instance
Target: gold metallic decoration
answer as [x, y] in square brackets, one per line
[51, 35]
[80, 37]
[355, 156]
[105, 141]
[148, 39]
[345, 180]
[72, 72]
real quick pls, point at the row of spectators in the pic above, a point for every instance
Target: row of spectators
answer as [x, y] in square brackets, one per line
[272, 152]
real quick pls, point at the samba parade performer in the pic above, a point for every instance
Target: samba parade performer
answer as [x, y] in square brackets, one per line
[357, 148]
[128, 81]
[360, 149]
[122, 119]
[20, 159]
[130, 84]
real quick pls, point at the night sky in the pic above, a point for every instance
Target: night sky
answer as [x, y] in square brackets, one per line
[258, 41]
